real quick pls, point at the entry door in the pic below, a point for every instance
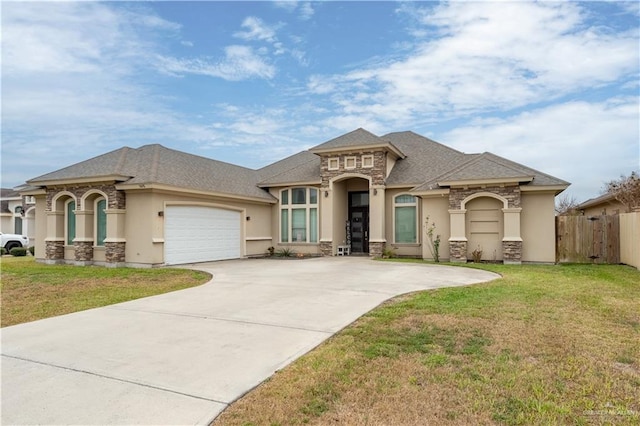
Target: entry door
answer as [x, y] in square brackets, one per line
[359, 221]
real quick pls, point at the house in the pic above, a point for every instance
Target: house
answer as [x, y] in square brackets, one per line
[603, 205]
[17, 213]
[157, 206]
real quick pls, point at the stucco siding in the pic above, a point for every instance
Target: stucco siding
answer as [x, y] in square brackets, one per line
[437, 208]
[537, 224]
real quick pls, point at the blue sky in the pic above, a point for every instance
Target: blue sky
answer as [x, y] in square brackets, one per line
[555, 86]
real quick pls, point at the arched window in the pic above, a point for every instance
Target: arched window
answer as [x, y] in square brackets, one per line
[100, 221]
[299, 215]
[70, 221]
[406, 219]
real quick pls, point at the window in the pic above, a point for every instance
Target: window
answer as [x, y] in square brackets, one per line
[406, 219]
[349, 162]
[367, 161]
[17, 226]
[30, 199]
[70, 220]
[101, 221]
[334, 164]
[299, 219]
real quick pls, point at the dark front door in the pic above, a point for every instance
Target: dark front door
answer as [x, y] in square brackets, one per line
[359, 221]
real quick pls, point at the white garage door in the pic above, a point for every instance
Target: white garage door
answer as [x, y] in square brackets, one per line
[200, 234]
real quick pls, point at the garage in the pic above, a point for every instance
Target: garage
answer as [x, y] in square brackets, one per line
[201, 234]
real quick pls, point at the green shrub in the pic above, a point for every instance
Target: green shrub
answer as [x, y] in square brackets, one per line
[285, 252]
[3, 251]
[18, 251]
[32, 250]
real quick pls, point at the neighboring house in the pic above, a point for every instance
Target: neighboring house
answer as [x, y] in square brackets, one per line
[157, 206]
[603, 205]
[17, 213]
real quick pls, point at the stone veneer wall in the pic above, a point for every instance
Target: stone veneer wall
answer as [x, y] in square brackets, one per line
[376, 249]
[326, 248]
[511, 250]
[84, 251]
[458, 251]
[54, 250]
[114, 252]
[511, 193]
[378, 172]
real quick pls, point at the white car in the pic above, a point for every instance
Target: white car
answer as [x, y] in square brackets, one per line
[10, 241]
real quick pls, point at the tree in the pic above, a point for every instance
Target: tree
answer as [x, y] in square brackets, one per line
[626, 190]
[566, 206]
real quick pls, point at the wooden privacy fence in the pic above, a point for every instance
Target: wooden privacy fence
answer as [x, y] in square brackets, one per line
[588, 239]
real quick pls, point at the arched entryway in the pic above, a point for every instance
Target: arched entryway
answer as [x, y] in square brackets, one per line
[485, 227]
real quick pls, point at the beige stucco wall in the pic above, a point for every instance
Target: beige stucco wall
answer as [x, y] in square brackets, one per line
[274, 223]
[537, 225]
[41, 227]
[144, 228]
[437, 208]
[605, 208]
[414, 250]
[6, 223]
[630, 239]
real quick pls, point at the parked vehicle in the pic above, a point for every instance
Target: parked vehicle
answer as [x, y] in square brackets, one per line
[10, 241]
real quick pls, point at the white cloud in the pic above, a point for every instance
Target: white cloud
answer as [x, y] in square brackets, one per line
[487, 57]
[239, 63]
[581, 142]
[256, 29]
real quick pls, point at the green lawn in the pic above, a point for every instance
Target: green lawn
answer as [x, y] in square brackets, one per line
[544, 345]
[32, 291]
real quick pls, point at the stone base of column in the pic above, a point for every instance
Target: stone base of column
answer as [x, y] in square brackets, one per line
[84, 252]
[326, 248]
[115, 253]
[376, 249]
[512, 252]
[54, 250]
[458, 251]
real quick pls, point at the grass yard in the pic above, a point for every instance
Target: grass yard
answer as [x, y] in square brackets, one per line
[544, 345]
[32, 291]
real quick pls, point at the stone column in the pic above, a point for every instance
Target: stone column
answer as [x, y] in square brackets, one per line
[55, 239]
[115, 243]
[458, 236]
[512, 241]
[83, 242]
[326, 221]
[377, 236]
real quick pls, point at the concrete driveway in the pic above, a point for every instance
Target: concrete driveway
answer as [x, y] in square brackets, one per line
[182, 357]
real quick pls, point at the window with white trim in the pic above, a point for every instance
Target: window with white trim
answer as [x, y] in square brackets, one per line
[333, 164]
[349, 162]
[70, 221]
[299, 215]
[405, 219]
[367, 161]
[100, 218]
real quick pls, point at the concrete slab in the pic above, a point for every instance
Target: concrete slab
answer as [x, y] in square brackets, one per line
[182, 357]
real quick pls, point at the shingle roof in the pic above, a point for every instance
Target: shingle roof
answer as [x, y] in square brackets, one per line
[4, 202]
[157, 164]
[425, 159]
[301, 167]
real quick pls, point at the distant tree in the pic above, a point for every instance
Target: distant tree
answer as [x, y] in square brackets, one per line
[626, 190]
[566, 206]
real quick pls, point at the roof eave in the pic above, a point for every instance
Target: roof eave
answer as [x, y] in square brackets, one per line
[294, 183]
[386, 146]
[76, 180]
[544, 188]
[487, 181]
[161, 187]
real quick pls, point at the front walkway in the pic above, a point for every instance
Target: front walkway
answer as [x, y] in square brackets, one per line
[182, 357]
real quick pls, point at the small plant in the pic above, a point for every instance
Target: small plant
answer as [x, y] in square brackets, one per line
[477, 255]
[389, 253]
[271, 251]
[3, 251]
[285, 252]
[434, 243]
[32, 250]
[18, 251]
